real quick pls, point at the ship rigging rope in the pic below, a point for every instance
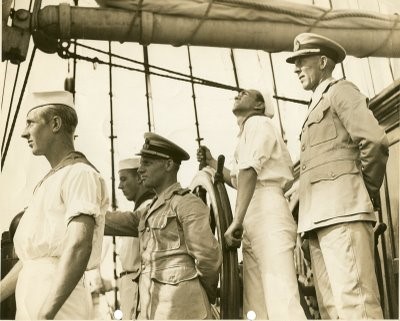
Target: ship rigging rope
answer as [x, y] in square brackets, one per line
[9, 110]
[196, 29]
[64, 53]
[156, 67]
[4, 84]
[4, 154]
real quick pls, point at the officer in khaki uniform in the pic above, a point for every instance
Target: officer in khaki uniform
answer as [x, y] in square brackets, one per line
[180, 257]
[342, 163]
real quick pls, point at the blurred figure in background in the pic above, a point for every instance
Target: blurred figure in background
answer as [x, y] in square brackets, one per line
[129, 253]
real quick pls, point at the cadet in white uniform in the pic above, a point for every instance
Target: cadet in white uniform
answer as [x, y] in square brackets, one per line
[128, 252]
[60, 235]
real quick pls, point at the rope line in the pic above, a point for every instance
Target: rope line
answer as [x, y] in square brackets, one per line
[4, 155]
[9, 110]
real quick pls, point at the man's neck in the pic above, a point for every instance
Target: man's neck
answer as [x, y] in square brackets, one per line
[58, 153]
[323, 78]
[167, 183]
[242, 117]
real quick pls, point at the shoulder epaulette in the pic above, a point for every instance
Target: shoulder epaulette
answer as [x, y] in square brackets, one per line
[182, 191]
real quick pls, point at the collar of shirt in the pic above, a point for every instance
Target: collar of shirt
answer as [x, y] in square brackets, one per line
[318, 92]
[241, 126]
[145, 196]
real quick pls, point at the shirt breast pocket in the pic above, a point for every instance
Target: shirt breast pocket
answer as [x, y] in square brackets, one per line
[165, 230]
[321, 127]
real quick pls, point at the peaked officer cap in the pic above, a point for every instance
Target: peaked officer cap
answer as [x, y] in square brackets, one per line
[44, 98]
[129, 163]
[159, 147]
[308, 44]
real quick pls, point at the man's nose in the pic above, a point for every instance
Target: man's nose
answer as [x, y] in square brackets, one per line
[120, 185]
[297, 69]
[25, 134]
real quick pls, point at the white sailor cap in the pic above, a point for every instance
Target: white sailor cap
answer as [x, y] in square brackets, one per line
[129, 163]
[44, 98]
[269, 105]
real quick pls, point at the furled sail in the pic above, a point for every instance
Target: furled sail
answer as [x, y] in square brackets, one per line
[269, 25]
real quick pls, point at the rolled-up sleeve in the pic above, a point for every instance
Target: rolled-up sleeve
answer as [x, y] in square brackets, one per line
[82, 193]
[256, 144]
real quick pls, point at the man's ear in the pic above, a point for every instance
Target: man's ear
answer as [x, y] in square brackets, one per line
[56, 123]
[169, 164]
[259, 106]
[323, 62]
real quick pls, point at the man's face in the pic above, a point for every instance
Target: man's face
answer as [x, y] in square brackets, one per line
[308, 70]
[152, 171]
[38, 132]
[245, 101]
[129, 183]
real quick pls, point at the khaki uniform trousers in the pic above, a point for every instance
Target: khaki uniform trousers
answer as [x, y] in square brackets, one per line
[342, 260]
[128, 296]
[270, 286]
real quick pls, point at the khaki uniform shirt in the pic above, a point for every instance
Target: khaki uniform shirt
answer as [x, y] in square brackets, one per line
[176, 246]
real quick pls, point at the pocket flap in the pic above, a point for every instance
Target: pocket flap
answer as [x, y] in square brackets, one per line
[161, 221]
[317, 115]
[333, 170]
[174, 274]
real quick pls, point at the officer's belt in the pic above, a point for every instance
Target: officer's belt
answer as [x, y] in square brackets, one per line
[125, 273]
[329, 156]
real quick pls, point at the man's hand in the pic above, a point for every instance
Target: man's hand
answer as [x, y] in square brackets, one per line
[233, 235]
[204, 156]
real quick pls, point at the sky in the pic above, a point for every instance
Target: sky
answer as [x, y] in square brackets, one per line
[172, 104]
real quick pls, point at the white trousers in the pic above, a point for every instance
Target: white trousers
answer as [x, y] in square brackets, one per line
[270, 284]
[342, 260]
[33, 285]
[128, 296]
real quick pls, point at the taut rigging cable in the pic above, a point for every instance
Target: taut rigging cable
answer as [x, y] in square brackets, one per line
[113, 197]
[4, 154]
[11, 103]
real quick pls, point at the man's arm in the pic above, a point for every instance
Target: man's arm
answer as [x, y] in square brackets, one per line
[73, 261]
[247, 180]
[121, 223]
[351, 107]
[8, 284]
[204, 155]
[201, 244]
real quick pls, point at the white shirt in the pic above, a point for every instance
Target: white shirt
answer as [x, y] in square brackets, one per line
[129, 251]
[70, 191]
[261, 147]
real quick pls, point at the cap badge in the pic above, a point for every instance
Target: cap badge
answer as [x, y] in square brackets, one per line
[296, 45]
[146, 144]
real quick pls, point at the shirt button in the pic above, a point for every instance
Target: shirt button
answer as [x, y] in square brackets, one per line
[303, 148]
[303, 167]
[147, 229]
[333, 174]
